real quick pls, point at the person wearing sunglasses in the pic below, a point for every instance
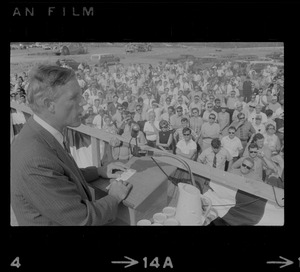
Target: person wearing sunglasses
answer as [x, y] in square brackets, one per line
[178, 134]
[209, 131]
[233, 145]
[261, 163]
[186, 147]
[246, 169]
[139, 115]
[215, 155]
[244, 129]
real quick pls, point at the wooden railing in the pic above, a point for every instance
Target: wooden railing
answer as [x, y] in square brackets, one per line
[273, 194]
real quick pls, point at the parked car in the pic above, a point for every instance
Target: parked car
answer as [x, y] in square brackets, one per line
[71, 49]
[105, 59]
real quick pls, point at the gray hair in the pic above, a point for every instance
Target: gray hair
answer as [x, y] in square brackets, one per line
[43, 82]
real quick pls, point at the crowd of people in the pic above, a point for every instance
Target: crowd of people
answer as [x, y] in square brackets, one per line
[228, 116]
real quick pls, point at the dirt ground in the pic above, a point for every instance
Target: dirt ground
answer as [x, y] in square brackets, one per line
[23, 60]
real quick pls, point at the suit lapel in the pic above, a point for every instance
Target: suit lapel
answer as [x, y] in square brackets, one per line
[63, 155]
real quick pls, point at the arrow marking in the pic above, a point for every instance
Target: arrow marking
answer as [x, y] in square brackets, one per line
[286, 263]
[129, 263]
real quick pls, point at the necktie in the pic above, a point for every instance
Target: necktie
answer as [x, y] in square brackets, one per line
[66, 146]
[66, 143]
[215, 161]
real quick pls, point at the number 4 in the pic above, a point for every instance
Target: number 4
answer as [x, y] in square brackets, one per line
[16, 262]
[155, 262]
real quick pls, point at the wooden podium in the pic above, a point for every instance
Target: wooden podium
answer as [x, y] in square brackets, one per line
[148, 194]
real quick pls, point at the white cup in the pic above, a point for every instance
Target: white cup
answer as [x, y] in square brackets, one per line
[169, 211]
[171, 222]
[144, 222]
[159, 218]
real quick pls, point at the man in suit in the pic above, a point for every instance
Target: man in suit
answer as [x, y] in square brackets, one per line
[47, 187]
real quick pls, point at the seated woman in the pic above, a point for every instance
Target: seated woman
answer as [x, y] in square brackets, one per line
[164, 139]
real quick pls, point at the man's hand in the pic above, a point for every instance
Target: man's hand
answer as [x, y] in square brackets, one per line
[119, 189]
[260, 154]
[107, 171]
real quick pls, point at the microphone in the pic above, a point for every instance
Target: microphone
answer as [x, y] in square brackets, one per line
[136, 151]
[135, 130]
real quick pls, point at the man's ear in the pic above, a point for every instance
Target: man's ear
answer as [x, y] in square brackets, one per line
[49, 104]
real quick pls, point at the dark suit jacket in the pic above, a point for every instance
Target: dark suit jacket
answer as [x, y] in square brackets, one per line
[47, 187]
